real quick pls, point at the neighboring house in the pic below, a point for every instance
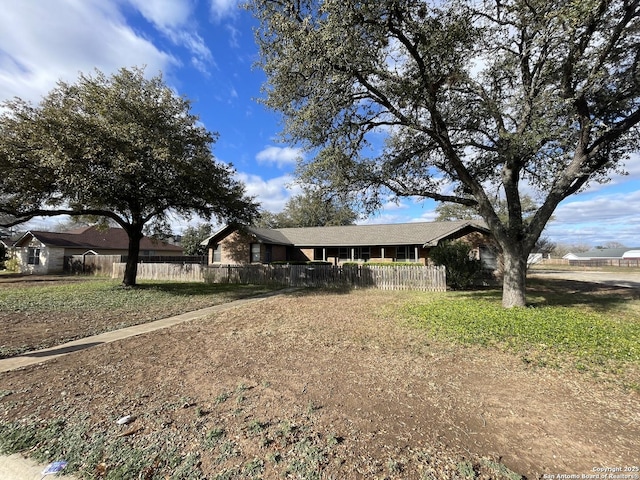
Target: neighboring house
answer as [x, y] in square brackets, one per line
[605, 254]
[45, 252]
[6, 243]
[406, 242]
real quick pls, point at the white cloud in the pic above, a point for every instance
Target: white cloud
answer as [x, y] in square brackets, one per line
[272, 194]
[223, 8]
[173, 18]
[234, 35]
[383, 219]
[631, 167]
[598, 219]
[42, 42]
[169, 14]
[619, 207]
[394, 206]
[281, 156]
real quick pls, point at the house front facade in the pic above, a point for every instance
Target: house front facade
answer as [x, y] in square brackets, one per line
[407, 242]
[45, 252]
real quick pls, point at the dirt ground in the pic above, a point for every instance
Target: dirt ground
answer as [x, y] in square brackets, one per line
[33, 330]
[374, 398]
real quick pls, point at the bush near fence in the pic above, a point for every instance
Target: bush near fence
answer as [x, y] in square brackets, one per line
[410, 277]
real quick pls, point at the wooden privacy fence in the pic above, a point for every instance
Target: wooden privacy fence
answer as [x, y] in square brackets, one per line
[103, 264]
[391, 277]
[177, 272]
[91, 264]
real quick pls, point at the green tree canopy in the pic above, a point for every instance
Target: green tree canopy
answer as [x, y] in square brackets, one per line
[312, 208]
[456, 211]
[192, 238]
[475, 100]
[122, 147]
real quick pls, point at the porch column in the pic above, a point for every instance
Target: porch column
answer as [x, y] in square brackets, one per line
[353, 254]
[416, 249]
[382, 252]
[324, 254]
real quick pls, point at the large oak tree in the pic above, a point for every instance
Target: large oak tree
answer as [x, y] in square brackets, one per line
[122, 147]
[476, 100]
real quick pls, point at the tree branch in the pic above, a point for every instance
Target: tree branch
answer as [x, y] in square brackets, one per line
[22, 217]
[404, 191]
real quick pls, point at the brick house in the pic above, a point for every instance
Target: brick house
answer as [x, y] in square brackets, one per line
[406, 242]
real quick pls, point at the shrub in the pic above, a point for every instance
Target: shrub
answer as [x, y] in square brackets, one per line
[462, 269]
[381, 264]
[12, 265]
[300, 262]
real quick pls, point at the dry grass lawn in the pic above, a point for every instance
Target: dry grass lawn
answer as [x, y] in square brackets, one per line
[319, 385]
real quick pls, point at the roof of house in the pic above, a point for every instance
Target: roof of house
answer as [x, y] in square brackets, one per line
[419, 233]
[601, 253]
[94, 238]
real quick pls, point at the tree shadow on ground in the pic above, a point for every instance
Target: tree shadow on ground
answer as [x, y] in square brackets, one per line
[183, 289]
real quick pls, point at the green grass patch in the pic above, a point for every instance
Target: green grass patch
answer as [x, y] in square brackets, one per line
[109, 294]
[602, 333]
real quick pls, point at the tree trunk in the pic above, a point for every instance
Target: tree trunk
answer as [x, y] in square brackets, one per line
[515, 280]
[131, 269]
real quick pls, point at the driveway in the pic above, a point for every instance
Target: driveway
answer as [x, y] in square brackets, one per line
[614, 279]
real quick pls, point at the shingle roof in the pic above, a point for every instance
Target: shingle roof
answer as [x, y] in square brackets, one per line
[419, 233]
[605, 253]
[92, 238]
[423, 233]
[268, 235]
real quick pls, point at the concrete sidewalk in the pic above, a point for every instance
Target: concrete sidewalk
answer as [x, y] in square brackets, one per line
[17, 467]
[39, 356]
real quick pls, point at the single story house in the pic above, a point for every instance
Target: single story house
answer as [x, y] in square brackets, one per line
[45, 252]
[405, 242]
[624, 253]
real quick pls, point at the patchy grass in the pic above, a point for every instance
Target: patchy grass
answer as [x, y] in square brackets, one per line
[593, 331]
[148, 449]
[36, 315]
[311, 385]
[102, 294]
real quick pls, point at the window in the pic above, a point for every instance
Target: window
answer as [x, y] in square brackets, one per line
[362, 253]
[405, 253]
[217, 254]
[33, 256]
[255, 252]
[343, 253]
[318, 254]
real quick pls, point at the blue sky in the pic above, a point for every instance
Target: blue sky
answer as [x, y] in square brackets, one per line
[206, 51]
